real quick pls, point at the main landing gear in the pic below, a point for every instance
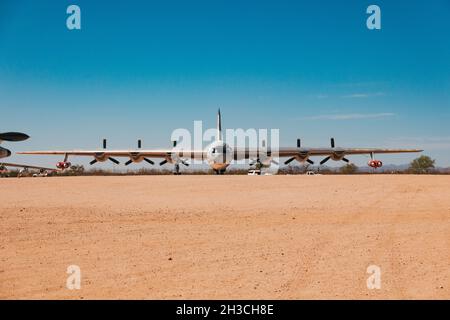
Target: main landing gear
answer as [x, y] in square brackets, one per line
[176, 169]
[219, 171]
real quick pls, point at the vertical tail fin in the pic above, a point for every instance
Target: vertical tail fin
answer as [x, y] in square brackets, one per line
[219, 126]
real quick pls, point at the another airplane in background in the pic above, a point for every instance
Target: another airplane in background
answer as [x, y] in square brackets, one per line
[219, 154]
[4, 153]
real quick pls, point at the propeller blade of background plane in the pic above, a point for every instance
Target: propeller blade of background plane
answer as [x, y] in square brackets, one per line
[13, 136]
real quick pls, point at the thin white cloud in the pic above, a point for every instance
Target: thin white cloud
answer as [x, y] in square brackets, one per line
[427, 143]
[350, 116]
[363, 95]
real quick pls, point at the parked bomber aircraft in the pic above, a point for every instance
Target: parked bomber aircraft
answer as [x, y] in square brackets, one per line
[219, 154]
[14, 137]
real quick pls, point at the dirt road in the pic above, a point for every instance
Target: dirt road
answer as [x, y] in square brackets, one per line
[225, 237]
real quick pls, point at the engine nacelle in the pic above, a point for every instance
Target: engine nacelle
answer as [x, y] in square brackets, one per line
[337, 155]
[136, 157]
[100, 157]
[302, 156]
[4, 152]
[375, 163]
[63, 165]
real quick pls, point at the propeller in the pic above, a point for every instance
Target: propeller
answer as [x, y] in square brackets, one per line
[262, 157]
[136, 155]
[325, 160]
[109, 158]
[329, 157]
[174, 143]
[289, 160]
[299, 145]
[149, 161]
[179, 160]
[145, 159]
[13, 136]
[185, 163]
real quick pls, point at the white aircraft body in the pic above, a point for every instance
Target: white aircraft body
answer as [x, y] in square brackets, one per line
[4, 153]
[219, 154]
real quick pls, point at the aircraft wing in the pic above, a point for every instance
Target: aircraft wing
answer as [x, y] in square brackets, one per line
[239, 153]
[16, 165]
[245, 153]
[162, 153]
[290, 152]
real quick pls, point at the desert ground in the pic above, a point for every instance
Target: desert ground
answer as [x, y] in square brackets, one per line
[225, 237]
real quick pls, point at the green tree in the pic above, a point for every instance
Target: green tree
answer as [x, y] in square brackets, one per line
[349, 168]
[422, 164]
[76, 170]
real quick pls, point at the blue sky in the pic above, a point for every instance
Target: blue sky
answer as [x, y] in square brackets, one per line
[139, 69]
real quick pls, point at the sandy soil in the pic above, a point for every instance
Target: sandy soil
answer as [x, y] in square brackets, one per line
[225, 237]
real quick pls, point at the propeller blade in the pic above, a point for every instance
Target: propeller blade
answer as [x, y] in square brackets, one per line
[104, 143]
[185, 163]
[149, 161]
[139, 143]
[13, 136]
[174, 143]
[299, 143]
[128, 162]
[163, 162]
[289, 160]
[93, 161]
[274, 162]
[325, 160]
[346, 160]
[113, 160]
[332, 142]
[309, 161]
